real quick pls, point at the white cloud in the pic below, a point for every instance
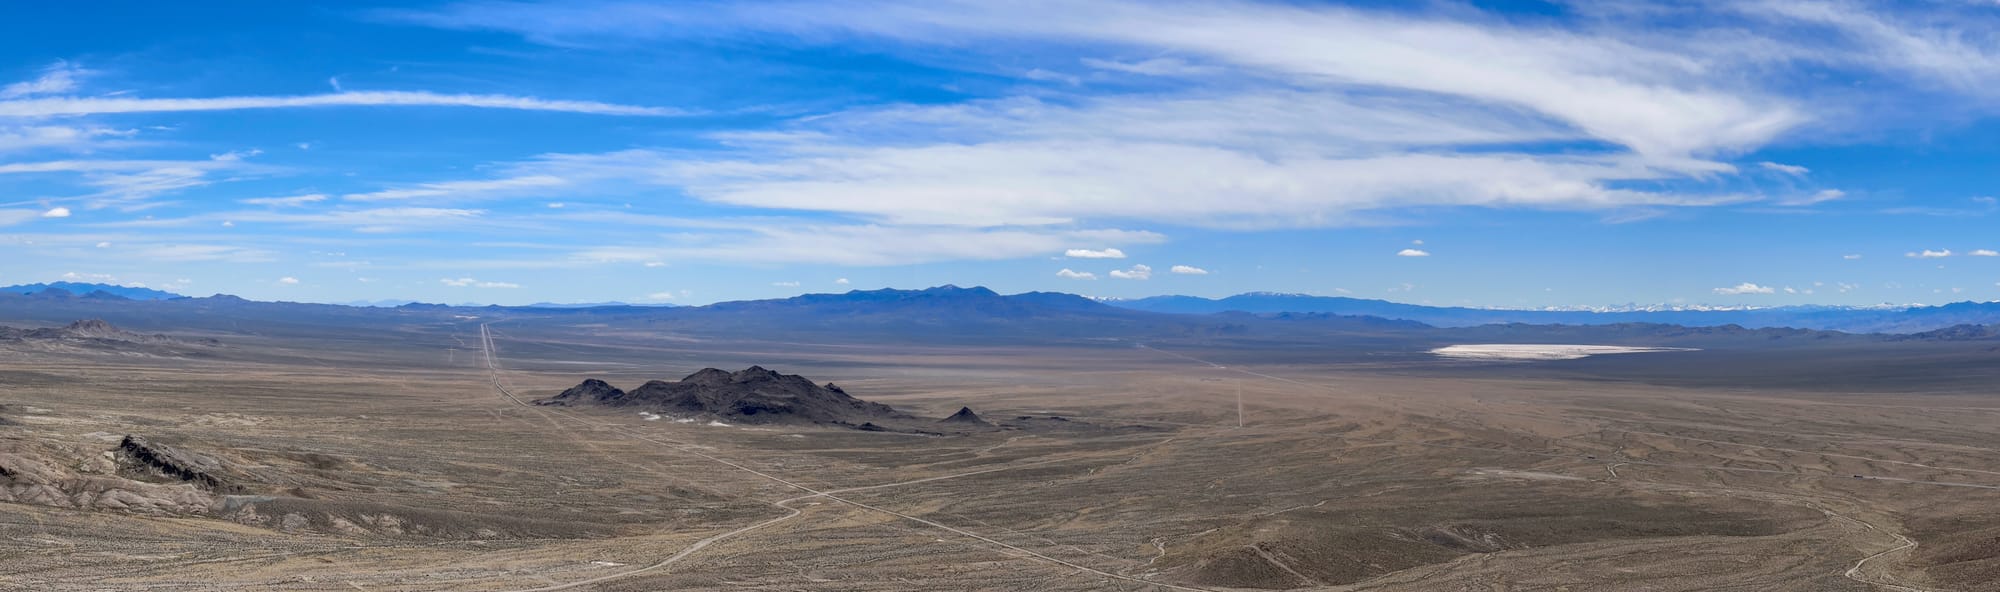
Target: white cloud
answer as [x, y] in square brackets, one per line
[1188, 270]
[235, 155]
[122, 182]
[12, 217]
[1850, 257]
[296, 200]
[374, 220]
[55, 106]
[1068, 273]
[466, 282]
[1821, 196]
[1152, 67]
[462, 189]
[1984, 253]
[1667, 101]
[660, 296]
[1029, 173]
[1745, 288]
[1412, 253]
[24, 137]
[89, 277]
[842, 281]
[785, 284]
[1137, 272]
[57, 78]
[1789, 169]
[288, 280]
[1094, 254]
[1418, 242]
[1048, 76]
[781, 241]
[183, 252]
[56, 212]
[1668, 88]
[104, 244]
[1929, 254]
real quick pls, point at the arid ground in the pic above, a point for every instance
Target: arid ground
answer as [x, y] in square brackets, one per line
[403, 458]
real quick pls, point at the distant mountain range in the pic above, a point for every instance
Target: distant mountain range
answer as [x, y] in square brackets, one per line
[977, 313]
[81, 289]
[1865, 319]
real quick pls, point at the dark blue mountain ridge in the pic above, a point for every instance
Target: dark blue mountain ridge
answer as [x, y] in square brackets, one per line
[1878, 319]
[85, 289]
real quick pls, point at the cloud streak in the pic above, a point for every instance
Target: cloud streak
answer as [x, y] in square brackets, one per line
[1745, 288]
[1137, 272]
[1094, 254]
[56, 106]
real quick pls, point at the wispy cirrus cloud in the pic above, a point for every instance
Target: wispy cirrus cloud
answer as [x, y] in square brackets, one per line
[124, 183]
[30, 137]
[462, 189]
[466, 282]
[59, 77]
[1394, 99]
[59, 106]
[1656, 100]
[369, 220]
[296, 200]
[854, 244]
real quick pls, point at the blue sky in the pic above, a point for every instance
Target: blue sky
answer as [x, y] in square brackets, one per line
[1492, 153]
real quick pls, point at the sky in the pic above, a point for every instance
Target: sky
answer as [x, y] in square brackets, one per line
[1510, 154]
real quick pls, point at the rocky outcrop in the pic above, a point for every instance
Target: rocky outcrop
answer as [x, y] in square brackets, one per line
[752, 395]
[164, 460]
[591, 391]
[97, 331]
[966, 418]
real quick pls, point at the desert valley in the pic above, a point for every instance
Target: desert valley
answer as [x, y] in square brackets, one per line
[219, 444]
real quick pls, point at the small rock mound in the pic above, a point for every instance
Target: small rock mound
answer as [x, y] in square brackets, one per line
[966, 417]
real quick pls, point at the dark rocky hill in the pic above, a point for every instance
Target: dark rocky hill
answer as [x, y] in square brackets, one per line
[966, 418]
[79, 289]
[752, 395]
[93, 330]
